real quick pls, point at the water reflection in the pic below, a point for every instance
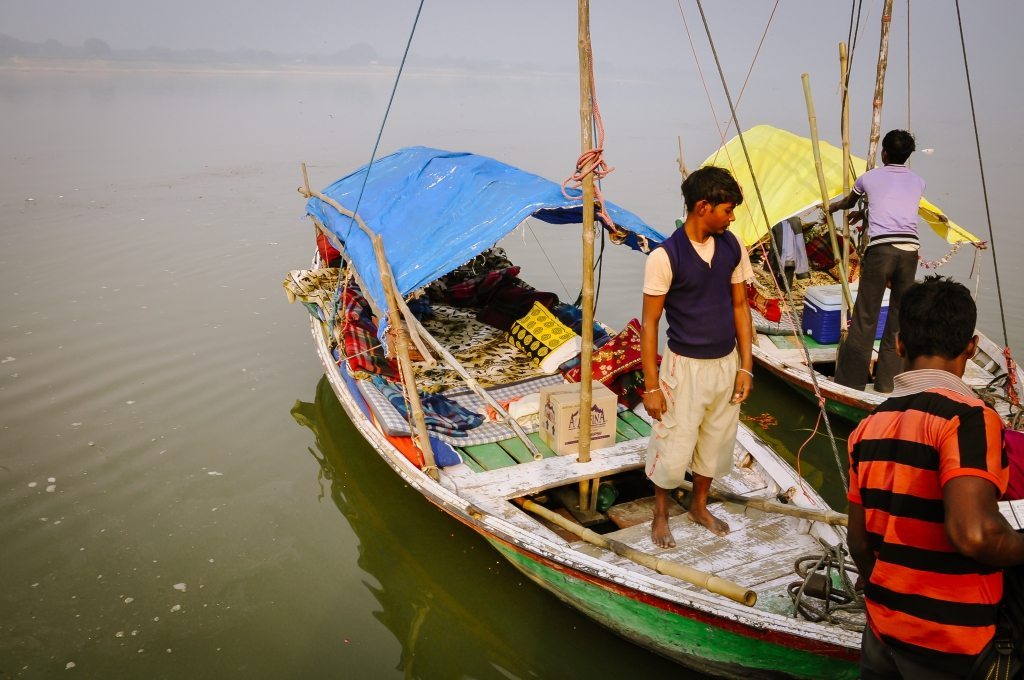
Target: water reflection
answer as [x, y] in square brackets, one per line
[457, 609]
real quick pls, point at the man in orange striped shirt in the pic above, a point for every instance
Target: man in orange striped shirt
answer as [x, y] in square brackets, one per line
[926, 470]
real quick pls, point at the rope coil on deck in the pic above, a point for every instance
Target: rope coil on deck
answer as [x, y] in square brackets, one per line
[819, 598]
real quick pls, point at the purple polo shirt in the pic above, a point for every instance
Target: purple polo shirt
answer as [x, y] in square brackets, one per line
[894, 192]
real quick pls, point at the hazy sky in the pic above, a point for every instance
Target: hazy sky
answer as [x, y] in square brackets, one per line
[631, 39]
[638, 32]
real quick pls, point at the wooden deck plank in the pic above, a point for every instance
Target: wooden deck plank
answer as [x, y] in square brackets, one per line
[544, 449]
[490, 456]
[636, 422]
[517, 449]
[538, 475]
[752, 538]
[469, 462]
[625, 430]
[777, 565]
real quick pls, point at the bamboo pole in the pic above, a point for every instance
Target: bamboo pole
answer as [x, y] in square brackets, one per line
[876, 103]
[812, 119]
[587, 144]
[710, 582]
[305, 191]
[480, 391]
[844, 79]
[813, 514]
[446, 356]
[402, 343]
[682, 159]
[587, 488]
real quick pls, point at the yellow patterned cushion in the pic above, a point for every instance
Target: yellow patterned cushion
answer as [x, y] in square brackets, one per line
[548, 341]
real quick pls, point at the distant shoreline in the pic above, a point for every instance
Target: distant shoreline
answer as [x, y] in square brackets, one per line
[102, 67]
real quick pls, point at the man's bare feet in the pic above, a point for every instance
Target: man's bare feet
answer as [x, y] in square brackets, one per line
[704, 518]
[661, 535]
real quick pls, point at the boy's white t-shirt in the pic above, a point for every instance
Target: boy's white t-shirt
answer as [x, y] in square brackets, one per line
[658, 270]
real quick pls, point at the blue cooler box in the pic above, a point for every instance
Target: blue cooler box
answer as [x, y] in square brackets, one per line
[821, 312]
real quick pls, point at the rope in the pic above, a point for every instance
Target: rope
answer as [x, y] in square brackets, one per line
[545, 254]
[1011, 389]
[757, 189]
[592, 162]
[800, 474]
[750, 70]
[836, 599]
[376, 144]
[981, 168]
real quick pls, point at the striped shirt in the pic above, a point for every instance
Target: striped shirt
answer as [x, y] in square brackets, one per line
[923, 596]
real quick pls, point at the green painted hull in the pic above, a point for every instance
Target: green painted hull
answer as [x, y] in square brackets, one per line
[849, 413]
[699, 641]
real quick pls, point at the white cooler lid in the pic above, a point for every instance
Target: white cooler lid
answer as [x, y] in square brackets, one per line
[831, 297]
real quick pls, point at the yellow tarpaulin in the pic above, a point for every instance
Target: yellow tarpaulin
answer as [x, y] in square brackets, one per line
[784, 166]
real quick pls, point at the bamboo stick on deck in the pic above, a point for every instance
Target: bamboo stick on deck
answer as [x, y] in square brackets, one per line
[703, 579]
[813, 514]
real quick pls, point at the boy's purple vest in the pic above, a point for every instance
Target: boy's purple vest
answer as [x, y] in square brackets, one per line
[698, 305]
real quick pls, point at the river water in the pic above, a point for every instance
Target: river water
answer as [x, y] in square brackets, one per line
[181, 494]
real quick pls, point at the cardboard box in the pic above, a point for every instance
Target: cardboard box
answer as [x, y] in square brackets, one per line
[560, 417]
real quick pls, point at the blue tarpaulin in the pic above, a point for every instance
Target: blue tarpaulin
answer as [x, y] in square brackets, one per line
[436, 210]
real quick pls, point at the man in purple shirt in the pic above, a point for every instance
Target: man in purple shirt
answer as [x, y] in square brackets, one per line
[893, 193]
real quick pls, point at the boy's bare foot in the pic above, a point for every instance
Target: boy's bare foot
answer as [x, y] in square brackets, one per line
[708, 521]
[661, 535]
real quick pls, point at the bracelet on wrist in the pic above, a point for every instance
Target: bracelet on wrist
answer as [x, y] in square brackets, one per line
[656, 389]
[750, 373]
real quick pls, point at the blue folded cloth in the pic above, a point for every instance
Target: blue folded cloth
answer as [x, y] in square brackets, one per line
[441, 414]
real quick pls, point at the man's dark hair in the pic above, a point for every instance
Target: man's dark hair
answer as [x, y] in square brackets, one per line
[712, 184]
[898, 145]
[937, 318]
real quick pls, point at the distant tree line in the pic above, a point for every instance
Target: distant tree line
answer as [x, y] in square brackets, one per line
[95, 49]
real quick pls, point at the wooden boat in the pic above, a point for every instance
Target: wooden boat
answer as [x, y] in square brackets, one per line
[783, 165]
[776, 518]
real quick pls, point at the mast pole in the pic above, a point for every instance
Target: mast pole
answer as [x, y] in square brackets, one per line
[586, 144]
[844, 81]
[883, 62]
[813, 120]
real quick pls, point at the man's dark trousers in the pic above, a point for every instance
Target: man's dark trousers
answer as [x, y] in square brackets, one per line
[883, 265]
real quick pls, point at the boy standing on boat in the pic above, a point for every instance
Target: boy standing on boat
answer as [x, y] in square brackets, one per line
[893, 194]
[696, 278]
[926, 470]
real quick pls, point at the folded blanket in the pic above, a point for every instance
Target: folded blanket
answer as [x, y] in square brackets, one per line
[768, 307]
[510, 302]
[819, 253]
[619, 355]
[358, 335]
[477, 291]
[441, 414]
[572, 316]
[548, 341]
